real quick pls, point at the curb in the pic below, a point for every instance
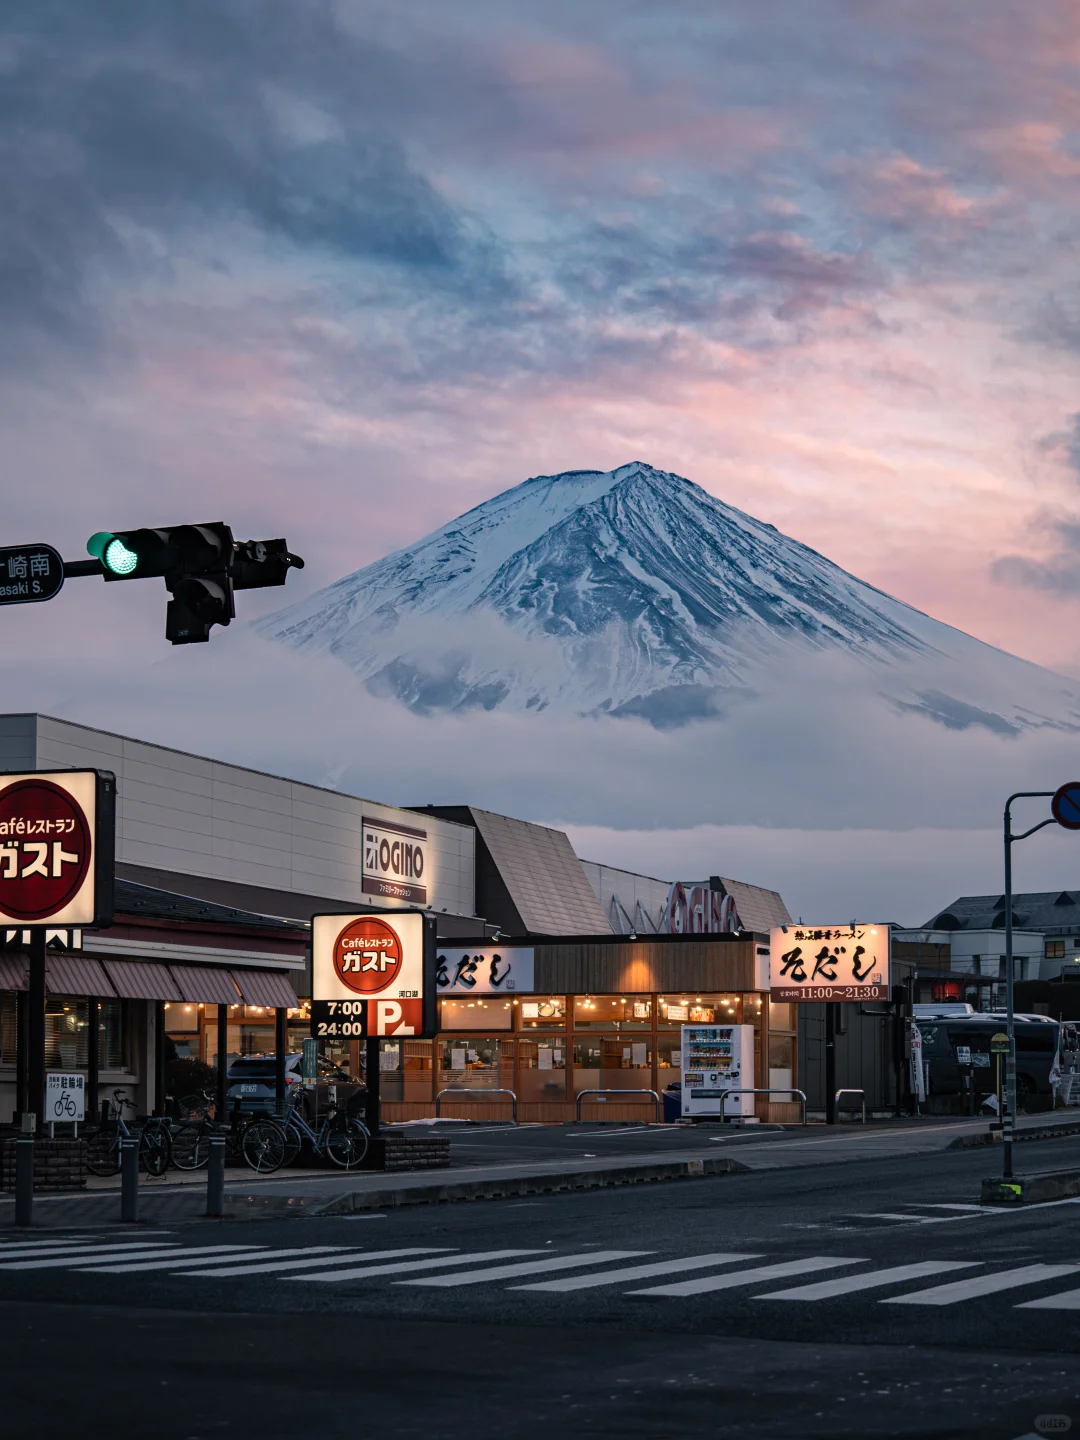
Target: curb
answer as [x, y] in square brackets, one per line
[280, 1207]
[993, 1137]
[1032, 1189]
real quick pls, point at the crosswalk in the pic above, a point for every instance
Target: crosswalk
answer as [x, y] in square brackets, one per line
[533, 1272]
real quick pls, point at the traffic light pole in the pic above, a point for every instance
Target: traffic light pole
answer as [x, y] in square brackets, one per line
[1008, 1119]
[36, 1006]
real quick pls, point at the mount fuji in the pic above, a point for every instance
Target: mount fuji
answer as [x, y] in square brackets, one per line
[634, 592]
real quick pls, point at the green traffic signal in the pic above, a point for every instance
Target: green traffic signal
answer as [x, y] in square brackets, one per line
[110, 549]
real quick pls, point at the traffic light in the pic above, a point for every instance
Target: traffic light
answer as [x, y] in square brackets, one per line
[201, 565]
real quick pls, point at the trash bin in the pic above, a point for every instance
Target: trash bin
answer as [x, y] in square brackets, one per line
[672, 1098]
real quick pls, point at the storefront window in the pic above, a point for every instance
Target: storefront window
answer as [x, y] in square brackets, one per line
[668, 1058]
[67, 1030]
[542, 1069]
[479, 1013]
[612, 1012]
[543, 1012]
[702, 1010]
[612, 1062]
[476, 1063]
[781, 1015]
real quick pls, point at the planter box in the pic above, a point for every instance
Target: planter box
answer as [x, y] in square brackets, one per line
[399, 1150]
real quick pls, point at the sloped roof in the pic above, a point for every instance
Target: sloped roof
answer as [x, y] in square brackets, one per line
[759, 909]
[1046, 910]
[543, 876]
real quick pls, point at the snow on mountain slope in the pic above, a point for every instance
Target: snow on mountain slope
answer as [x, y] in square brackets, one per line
[635, 592]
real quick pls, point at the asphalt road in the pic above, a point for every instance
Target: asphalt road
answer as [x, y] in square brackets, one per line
[455, 1339]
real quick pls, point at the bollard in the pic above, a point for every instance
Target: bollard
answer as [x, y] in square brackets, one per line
[215, 1178]
[24, 1180]
[129, 1181]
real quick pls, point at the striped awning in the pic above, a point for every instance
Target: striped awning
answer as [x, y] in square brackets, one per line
[13, 972]
[205, 984]
[76, 975]
[142, 980]
[267, 988]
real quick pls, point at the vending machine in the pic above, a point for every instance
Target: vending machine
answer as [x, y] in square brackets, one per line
[716, 1058]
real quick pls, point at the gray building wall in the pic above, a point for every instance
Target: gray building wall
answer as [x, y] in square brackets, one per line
[181, 814]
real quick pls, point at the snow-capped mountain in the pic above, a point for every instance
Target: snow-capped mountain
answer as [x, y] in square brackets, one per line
[635, 592]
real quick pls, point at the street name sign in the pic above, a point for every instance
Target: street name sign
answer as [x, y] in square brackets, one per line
[29, 573]
[829, 962]
[57, 847]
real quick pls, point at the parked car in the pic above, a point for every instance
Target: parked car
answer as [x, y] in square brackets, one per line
[1038, 1041]
[252, 1080]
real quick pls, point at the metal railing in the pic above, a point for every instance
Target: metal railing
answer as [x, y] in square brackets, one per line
[479, 1096]
[862, 1093]
[801, 1094]
[620, 1093]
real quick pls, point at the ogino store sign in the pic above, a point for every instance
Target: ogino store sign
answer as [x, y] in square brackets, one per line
[57, 842]
[373, 974]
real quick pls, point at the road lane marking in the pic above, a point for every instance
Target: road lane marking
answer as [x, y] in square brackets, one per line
[348, 1257]
[635, 1272]
[100, 1252]
[332, 1277]
[848, 1284]
[707, 1283]
[978, 1285]
[197, 1255]
[531, 1267]
[1067, 1300]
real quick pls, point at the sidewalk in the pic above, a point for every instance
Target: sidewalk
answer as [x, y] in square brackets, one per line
[181, 1197]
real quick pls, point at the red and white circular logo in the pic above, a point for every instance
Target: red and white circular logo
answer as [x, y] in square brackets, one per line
[367, 956]
[45, 847]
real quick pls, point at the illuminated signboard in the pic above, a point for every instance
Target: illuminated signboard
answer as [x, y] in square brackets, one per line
[57, 841]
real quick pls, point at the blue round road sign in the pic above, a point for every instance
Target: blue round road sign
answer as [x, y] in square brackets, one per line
[1065, 806]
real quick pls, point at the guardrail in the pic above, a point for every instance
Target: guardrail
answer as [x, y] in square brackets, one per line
[620, 1093]
[836, 1100]
[800, 1093]
[479, 1096]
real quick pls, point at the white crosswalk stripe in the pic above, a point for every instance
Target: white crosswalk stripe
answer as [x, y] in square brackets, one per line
[335, 1277]
[1067, 1300]
[850, 1284]
[174, 1258]
[141, 1249]
[41, 1249]
[347, 1257]
[531, 1267]
[979, 1285]
[635, 1272]
[707, 1283]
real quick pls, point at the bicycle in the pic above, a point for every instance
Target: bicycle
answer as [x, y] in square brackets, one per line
[103, 1143]
[342, 1137]
[258, 1140]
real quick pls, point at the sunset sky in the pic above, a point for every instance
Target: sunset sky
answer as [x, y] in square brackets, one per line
[341, 271]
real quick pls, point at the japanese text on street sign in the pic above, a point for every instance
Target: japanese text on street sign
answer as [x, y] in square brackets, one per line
[829, 962]
[29, 573]
[47, 830]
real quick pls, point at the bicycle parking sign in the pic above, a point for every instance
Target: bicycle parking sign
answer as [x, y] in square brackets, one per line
[65, 1097]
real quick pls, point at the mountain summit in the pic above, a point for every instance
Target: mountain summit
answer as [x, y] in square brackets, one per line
[635, 592]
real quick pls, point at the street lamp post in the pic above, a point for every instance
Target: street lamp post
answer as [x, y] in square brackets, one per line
[1064, 811]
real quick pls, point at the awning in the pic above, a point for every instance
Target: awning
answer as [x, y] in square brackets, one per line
[13, 972]
[142, 980]
[206, 985]
[267, 988]
[76, 975]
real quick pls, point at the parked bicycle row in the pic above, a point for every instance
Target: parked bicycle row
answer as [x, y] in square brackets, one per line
[263, 1142]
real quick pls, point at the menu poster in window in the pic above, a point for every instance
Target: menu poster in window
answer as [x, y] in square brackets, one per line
[640, 1053]
[457, 1059]
[829, 962]
[57, 847]
[543, 1058]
